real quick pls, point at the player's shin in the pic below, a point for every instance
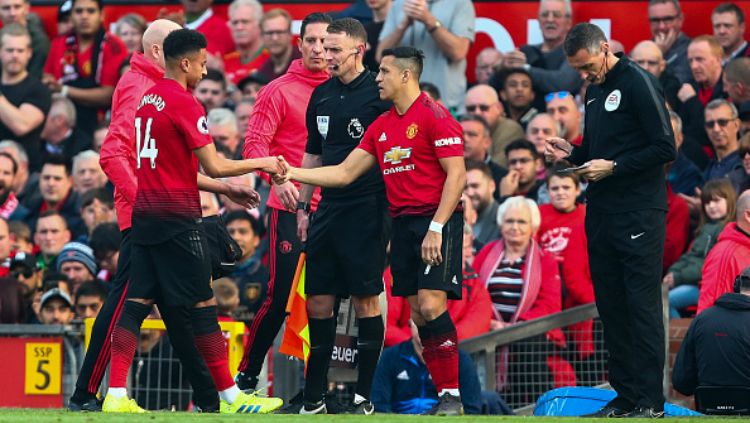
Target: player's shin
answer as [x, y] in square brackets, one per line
[212, 346]
[369, 346]
[181, 335]
[440, 343]
[322, 336]
[124, 342]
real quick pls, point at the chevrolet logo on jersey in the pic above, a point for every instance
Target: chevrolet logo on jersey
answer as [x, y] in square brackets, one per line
[396, 154]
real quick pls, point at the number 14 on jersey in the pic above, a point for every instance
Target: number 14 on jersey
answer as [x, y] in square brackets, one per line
[148, 149]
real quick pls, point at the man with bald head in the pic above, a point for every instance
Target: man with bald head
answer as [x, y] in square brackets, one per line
[117, 159]
[485, 64]
[541, 127]
[564, 109]
[616, 46]
[648, 55]
[483, 100]
[728, 257]
[736, 80]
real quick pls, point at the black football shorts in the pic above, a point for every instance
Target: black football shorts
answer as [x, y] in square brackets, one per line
[410, 274]
[174, 273]
[346, 247]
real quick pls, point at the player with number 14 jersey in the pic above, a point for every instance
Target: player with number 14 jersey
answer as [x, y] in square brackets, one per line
[167, 202]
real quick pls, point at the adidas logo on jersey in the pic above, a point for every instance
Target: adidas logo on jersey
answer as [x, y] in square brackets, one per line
[382, 137]
[454, 281]
[403, 375]
[447, 344]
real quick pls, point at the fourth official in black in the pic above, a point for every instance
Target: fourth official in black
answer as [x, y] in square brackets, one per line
[627, 141]
[349, 231]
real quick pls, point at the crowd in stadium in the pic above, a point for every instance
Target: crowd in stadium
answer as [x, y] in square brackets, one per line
[524, 243]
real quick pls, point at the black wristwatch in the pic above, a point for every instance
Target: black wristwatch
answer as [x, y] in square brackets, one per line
[303, 205]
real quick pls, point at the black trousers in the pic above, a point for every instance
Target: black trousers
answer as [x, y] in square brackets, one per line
[625, 255]
[285, 251]
[98, 353]
[97, 356]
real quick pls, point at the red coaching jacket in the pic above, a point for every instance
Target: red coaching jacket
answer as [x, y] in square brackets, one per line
[277, 126]
[117, 157]
[729, 257]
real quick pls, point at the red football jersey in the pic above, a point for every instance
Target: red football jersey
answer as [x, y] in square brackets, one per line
[556, 228]
[170, 123]
[60, 62]
[407, 148]
[218, 35]
[235, 70]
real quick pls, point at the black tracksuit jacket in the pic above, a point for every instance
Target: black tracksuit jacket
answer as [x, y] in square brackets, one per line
[716, 349]
[627, 121]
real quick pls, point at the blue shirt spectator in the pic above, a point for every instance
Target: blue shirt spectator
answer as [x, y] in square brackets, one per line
[402, 383]
[684, 176]
[718, 169]
[722, 126]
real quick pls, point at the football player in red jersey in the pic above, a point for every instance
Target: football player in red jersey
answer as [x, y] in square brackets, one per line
[170, 261]
[419, 148]
[118, 162]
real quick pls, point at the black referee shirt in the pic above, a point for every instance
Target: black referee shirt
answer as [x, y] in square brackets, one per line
[627, 121]
[337, 117]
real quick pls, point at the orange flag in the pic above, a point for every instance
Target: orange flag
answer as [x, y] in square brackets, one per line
[296, 341]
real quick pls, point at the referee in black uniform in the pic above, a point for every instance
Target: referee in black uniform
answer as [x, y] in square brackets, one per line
[626, 143]
[349, 232]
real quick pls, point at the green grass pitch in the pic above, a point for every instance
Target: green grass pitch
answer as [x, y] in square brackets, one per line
[63, 416]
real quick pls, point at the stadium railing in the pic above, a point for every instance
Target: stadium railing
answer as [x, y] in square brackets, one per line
[42, 362]
[514, 361]
[522, 361]
[156, 379]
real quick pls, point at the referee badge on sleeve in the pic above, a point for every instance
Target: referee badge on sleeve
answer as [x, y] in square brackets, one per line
[613, 101]
[323, 125]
